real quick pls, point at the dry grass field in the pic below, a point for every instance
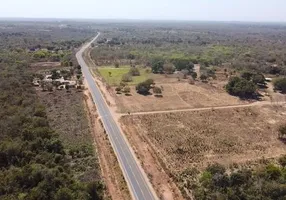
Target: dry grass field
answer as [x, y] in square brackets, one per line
[177, 95]
[195, 139]
[44, 66]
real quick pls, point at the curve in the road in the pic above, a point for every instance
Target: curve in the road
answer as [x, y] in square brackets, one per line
[137, 181]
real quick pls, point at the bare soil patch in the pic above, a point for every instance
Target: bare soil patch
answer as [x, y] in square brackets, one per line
[44, 66]
[185, 140]
[177, 95]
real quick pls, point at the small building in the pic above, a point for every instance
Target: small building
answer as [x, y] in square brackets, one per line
[268, 79]
[36, 82]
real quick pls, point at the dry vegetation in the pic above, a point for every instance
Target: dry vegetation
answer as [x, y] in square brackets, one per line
[67, 116]
[177, 95]
[195, 139]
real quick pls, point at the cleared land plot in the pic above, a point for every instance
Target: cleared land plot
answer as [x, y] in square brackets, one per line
[180, 95]
[44, 66]
[195, 139]
[116, 75]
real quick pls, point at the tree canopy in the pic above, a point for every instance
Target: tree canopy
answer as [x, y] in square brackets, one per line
[280, 84]
[241, 87]
[144, 87]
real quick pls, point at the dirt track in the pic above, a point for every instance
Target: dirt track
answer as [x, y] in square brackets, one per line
[261, 103]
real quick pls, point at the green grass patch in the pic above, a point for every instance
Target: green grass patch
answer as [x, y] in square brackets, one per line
[117, 73]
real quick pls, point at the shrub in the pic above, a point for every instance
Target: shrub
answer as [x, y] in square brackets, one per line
[116, 64]
[168, 68]
[134, 71]
[282, 131]
[280, 84]
[194, 75]
[216, 169]
[282, 161]
[127, 78]
[118, 89]
[203, 77]
[126, 90]
[273, 172]
[157, 91]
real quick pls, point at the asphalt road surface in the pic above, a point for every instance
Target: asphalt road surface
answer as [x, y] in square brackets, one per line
[137, 182]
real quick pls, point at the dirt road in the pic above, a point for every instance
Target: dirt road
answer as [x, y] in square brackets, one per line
[259, 103]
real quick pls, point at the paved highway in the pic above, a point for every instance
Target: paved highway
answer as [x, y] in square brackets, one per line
[137, 181]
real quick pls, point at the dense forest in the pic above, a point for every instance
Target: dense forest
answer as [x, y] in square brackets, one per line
[34, 162]
[242, 46]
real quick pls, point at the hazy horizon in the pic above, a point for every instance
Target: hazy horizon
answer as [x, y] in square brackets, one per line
[156, 10]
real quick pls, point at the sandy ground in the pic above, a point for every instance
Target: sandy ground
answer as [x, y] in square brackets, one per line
[176, 142]
[227, 135]
[163, 184]
[179, 95]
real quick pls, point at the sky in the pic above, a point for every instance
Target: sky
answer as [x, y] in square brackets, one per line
[202, 10]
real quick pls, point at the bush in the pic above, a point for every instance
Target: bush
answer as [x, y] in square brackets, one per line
[127, 78]
[280, 84]
[144, 87]
[194, 75]
[116, 64]
[259, 79]
[282, 161]
[126, 90]
[168, 68]
[216, 169]
[240, 87]
[134, 71]
[157, 91]
[157, 65]
[282, 131]
[203, 77]
[118, 89]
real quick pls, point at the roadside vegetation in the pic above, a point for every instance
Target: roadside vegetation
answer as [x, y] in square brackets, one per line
[264, 182]
[37, 159]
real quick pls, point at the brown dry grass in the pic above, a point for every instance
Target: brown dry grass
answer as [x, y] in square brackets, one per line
[195, 139]
[44, 66]
[177, 95]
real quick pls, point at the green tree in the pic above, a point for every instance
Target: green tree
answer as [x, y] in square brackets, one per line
[64, 194]
[246, 75]
[240, 87]
[259, 79]
[144, 87]
[183, 63]
[157, 65]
